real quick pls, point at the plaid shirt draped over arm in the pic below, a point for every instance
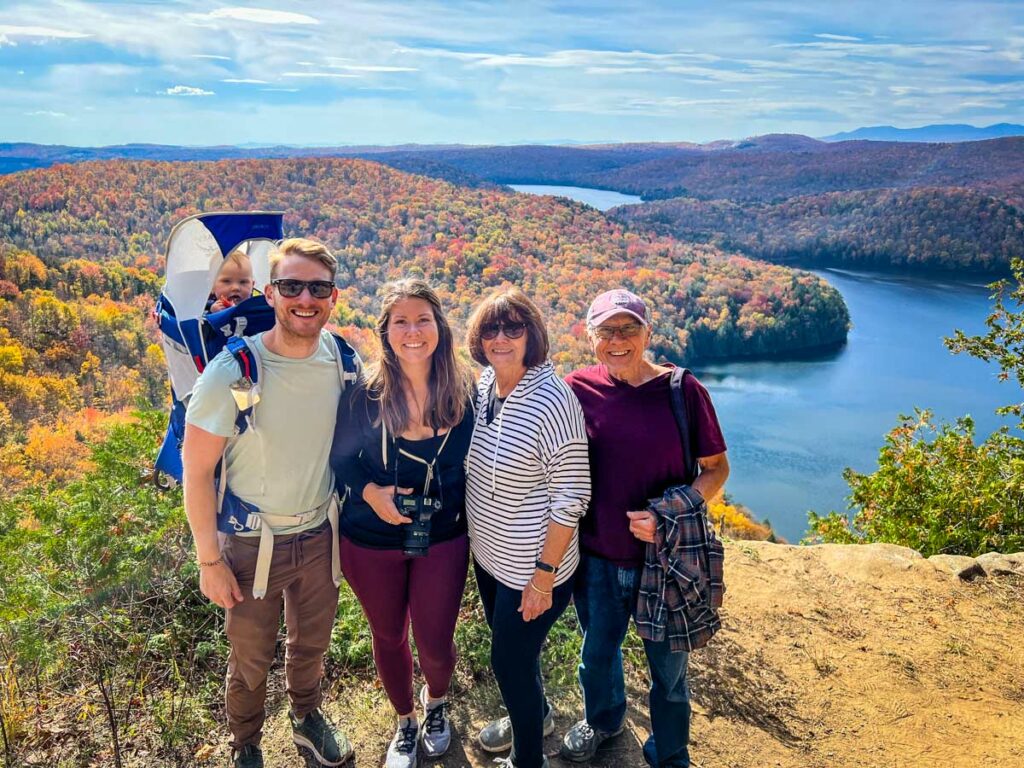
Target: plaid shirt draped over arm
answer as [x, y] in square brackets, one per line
[682, 583]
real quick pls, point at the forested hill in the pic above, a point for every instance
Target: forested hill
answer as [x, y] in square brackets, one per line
[952, 207]
[80, 250]
[937, 228]
[878, 204]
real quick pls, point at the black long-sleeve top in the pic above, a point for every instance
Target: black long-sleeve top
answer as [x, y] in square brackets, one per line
[357, 459]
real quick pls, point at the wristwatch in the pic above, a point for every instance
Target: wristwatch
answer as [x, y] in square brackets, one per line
[546, 567]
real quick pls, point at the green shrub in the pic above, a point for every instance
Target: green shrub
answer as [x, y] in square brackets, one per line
[936, 491]
[99, 605]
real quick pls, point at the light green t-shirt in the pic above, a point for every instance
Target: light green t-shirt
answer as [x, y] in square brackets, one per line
[283, 465]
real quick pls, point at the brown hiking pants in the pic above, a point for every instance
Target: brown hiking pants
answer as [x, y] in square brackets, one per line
[300, 578]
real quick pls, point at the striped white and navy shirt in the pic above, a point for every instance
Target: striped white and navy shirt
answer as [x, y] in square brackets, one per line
[526, 467]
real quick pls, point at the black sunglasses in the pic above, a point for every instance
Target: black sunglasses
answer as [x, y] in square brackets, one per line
[511, 330]
[290, 289]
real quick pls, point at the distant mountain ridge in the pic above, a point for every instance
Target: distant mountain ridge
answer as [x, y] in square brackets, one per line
[929, 133]
[955, 204]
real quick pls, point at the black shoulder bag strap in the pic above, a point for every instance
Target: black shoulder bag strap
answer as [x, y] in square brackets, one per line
[682, 421]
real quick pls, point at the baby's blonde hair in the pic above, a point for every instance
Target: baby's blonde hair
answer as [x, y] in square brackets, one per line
[239, 258]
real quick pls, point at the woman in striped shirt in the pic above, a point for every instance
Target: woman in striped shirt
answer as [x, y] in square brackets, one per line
[527, 485]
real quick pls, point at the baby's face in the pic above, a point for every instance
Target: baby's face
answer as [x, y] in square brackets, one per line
[233, 283]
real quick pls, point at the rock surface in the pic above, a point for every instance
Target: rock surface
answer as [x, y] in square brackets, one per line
[967, 568]
[996, 564]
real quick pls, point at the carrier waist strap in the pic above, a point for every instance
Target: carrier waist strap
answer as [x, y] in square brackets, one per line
[267, 524]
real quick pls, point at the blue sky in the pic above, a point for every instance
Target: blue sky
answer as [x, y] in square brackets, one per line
[382, 72]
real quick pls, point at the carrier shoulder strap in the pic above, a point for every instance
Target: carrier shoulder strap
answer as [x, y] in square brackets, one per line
[251, 366]
[682, 420]
[350, 368]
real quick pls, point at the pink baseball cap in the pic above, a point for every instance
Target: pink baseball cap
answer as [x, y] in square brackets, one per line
[615, 302]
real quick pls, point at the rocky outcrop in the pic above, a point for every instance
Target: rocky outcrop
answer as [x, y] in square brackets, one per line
[990, 564]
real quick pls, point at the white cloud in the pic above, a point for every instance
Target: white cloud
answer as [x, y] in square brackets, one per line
[46, 113]
[617, 70]
[246, 80]
[367, 68]
[261, 16]
[280, 90]
[187, 90]
[317, 74]
[847, 38]
[8, 31]
[210, 56]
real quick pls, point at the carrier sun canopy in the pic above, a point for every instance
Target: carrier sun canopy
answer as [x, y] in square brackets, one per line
[197, 248]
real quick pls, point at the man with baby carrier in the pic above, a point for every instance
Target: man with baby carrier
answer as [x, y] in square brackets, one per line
[257, 442]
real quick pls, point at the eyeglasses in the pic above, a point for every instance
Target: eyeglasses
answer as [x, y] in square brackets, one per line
[609, 332]
[291, 289]
[511, 330]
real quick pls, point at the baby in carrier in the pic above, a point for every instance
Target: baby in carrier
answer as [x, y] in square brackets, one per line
[234, 283]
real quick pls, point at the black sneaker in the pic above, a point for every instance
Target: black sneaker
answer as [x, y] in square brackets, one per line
[249, 756]
[319, 736]
[582, 741]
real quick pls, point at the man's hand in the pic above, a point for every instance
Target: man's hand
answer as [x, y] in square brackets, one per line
[381, 499]
[643, 525]
[218, 583]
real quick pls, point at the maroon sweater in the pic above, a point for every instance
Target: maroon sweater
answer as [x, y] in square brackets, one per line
[635, 452]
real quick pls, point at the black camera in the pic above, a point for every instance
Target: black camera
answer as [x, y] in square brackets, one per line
[416, 535]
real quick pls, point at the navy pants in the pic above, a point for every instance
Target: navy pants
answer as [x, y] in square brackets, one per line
[605, 599]
[515, 659]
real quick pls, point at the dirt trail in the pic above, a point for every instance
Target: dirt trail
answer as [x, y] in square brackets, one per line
[829, 656]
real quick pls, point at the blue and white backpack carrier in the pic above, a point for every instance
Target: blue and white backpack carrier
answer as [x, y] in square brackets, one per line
[196, 251]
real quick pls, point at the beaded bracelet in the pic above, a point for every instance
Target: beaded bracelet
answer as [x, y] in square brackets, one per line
[211, 563]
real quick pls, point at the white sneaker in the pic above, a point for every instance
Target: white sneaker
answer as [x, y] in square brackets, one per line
[402, 751]
[436, 734]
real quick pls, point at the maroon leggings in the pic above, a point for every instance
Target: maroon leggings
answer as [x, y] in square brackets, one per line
[394, 588]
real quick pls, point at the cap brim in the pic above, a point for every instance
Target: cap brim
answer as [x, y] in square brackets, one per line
[600, 318]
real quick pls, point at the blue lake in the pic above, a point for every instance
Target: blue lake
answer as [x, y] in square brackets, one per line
[793, 425]
[602, 199]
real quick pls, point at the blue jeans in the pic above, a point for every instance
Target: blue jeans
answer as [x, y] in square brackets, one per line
[605, 598]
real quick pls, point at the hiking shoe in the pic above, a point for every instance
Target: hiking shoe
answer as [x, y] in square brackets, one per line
[321, 737]
[507, 762]
[582, 741]
[437, 730]
[402, 749]
[496, 736]
[249, 756]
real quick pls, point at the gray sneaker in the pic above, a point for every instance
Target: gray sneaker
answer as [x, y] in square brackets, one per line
[507, 762]
[248, 756]
[318, 736]
[582, 741]
[436, 734]
[402, 751]
[496, 736]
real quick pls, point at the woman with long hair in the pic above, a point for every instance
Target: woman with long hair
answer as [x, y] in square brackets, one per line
[399, 451]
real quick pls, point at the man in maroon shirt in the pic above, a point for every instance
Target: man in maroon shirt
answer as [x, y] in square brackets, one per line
[635, 455]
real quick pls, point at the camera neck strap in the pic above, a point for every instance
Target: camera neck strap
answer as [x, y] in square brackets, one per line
[402, 452]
